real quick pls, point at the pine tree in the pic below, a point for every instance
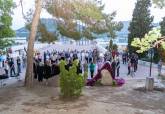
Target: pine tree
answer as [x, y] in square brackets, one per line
[141, 22]
[162, 25]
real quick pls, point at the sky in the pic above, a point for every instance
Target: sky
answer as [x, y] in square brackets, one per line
[124, 10]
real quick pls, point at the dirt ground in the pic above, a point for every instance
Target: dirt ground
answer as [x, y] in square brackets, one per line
[95, 100]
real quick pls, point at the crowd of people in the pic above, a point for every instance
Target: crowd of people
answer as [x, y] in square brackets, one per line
[46, 64]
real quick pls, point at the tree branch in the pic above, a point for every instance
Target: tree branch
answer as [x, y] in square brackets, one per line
[23, 14]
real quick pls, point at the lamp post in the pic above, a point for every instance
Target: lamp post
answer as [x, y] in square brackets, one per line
[150, 80]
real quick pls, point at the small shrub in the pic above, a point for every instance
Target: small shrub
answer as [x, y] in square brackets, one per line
[98, 83]
[114, 83]
[71, 83]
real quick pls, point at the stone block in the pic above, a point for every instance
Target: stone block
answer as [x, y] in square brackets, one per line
[106, 78]
[149, 83]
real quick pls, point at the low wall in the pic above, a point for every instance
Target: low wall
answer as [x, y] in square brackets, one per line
[148, 64]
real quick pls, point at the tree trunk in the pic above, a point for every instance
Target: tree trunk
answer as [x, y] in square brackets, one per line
[30, 50]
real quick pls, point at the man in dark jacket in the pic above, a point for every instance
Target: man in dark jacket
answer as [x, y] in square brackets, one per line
[12, 67]
[113, 65]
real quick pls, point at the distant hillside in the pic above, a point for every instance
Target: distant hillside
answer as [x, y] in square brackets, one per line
[49, 23]
[52, 26]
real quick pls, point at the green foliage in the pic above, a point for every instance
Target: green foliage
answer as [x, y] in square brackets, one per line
[161, 52]
[148, 41]
[6, 7]
[162, 27]
[69, 32]
[98, 83]
[5, 42]
[89, 12]
[45, 35]
[107, 25]
[114, 83]
[110, 44]
[159, 3]
[157, 56]
[111, 26]
[163, 45]
[88, 34]
[115, 47]
[141, 23]
[71, 83]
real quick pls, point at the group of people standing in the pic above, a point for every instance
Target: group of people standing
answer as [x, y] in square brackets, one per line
[46, 65]
[132, 64]
[13, 66]
[132, 61]
[114, 58]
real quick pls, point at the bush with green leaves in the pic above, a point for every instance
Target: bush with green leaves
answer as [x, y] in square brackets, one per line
[151, 40]
[71, 83]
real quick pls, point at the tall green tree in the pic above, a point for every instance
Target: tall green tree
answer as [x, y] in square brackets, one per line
[141, 22]
[6, 7]
[162, 26]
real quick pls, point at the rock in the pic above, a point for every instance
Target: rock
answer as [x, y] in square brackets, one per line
[106, 78]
